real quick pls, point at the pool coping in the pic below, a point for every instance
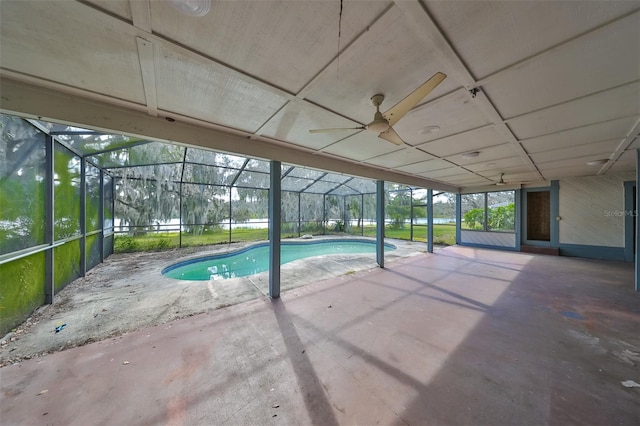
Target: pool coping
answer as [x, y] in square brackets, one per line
[254, 245]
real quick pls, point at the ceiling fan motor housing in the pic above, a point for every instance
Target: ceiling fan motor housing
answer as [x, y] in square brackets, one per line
[379, 123]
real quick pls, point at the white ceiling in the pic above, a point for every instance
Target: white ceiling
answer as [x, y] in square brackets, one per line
[559, 82]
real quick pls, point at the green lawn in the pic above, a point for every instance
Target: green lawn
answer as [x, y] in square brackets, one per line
[442, 234]
[161, 241]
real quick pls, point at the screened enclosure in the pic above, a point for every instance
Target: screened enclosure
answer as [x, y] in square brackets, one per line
[70, 197]
[183, 196]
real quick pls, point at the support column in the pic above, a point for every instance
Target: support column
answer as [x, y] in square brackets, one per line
[362, 214]
[299, 215]
[179, 214]
[230, 214]
[554, 211]
[275, 199]
[324, 214]
[430, 220]
[518, 218]
[83, 217]
[411, 214]
[380, 222]
[101, 216]
[629, 221]
[486, 212]
[49, 283]
[458, 218]
[637, 218]
[113, 214]
[344, 214]
[184, 160]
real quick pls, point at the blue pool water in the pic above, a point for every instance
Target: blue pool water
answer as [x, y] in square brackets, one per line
[255, 259]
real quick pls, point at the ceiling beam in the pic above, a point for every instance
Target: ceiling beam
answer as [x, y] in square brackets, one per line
[148, 71]
[621, 148]
[421, 22]
[31, 101]
[141, 14]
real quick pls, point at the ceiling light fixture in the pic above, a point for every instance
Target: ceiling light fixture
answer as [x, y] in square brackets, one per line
[469, 155]
[430, 129]
[192, 7]
[597, 162]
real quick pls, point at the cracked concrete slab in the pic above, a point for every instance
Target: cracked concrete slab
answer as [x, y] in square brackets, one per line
[128, 292]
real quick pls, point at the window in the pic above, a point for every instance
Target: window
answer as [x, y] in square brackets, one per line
[489, 211]
[473, 211]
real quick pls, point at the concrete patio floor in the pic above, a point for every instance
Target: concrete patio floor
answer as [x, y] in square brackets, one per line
[462, 336]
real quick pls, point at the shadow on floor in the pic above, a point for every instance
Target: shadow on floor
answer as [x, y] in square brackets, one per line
[314, 396]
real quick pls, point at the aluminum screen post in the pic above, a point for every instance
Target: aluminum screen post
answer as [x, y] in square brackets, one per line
[49, 285]
[299, 216]
[83, 217]
[184, 160]
[411, 214]
[458, 218]
[275, 198]
[101, 216]
[362, 214]
[380, 222]
[430, 220]
[324, 214]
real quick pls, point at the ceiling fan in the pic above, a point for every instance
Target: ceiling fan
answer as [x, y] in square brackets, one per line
[502, 182]
[382, 123]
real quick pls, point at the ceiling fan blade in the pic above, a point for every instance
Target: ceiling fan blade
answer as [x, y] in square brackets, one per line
[337, 129]
[398, 111]
[391, 136]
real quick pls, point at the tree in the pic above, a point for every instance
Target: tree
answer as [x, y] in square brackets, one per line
[254, 200]
[502, 218]
[472, 201]
[474, 218]
[146, 195]
[446, 208]
[355, 209]
[399, 207]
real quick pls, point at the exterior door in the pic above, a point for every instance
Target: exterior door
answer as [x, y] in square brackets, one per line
[537, 226]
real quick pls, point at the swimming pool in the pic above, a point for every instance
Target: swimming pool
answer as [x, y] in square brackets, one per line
[255, 259]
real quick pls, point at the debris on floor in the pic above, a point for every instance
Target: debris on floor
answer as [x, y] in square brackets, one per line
[630, 384]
